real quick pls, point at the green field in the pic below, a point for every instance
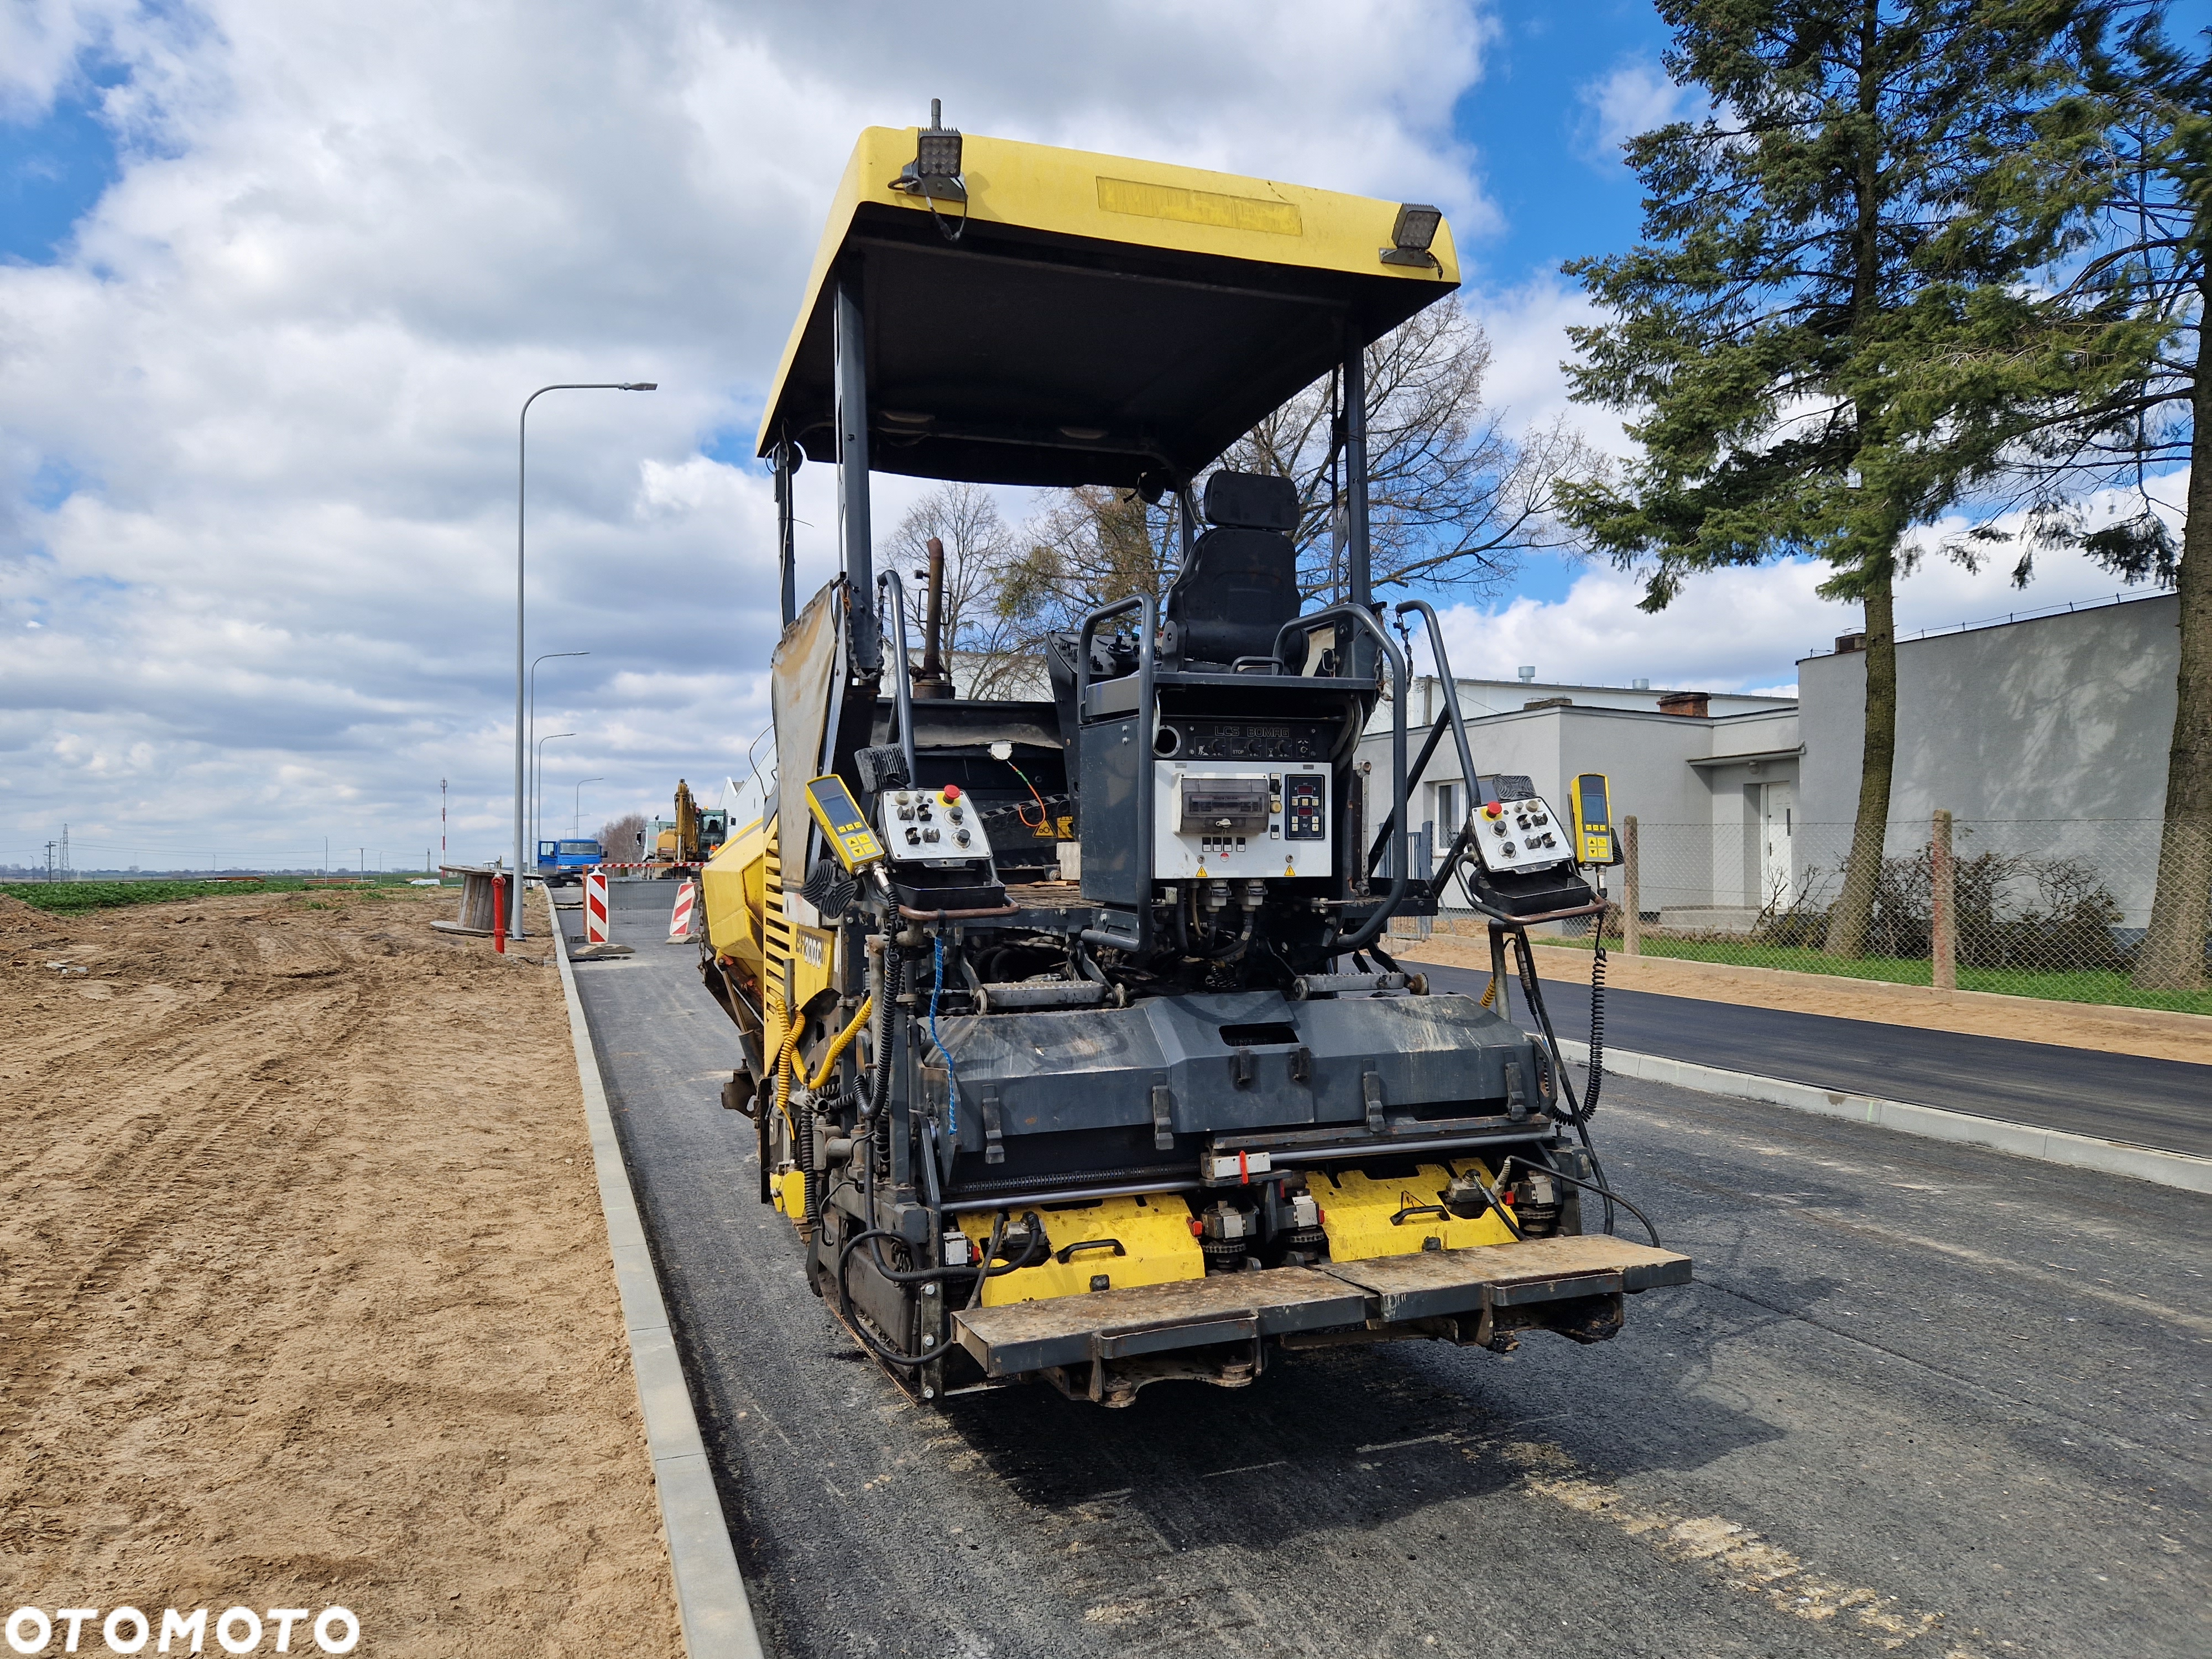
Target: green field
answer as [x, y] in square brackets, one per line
[2108, 988]
[74, 898]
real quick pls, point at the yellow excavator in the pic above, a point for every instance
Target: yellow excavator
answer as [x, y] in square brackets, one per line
[1073, 1045]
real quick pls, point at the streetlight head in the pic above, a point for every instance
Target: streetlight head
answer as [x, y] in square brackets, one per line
[638, 385]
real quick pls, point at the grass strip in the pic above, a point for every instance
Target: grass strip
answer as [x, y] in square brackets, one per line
[2085, 985]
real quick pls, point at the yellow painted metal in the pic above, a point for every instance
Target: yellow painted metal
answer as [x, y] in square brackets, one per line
[732, 887]
[1153, 1232]
[1116, 199]
[1356, 1213]
[789, 1195]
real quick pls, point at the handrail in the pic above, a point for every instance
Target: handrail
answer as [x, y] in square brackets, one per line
[1365, 618]
[1450, 688]
[1451, 715]
[903, 699]
[1148, 627]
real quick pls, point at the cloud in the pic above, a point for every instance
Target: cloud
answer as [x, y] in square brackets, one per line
[1743, 631]
[257, 418]
[1634, 97]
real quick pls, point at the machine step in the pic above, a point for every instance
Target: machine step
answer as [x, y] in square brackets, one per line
[1154, 1319]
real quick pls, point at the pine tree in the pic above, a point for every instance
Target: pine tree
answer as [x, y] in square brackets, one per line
[2112, 377]
[1779, 336]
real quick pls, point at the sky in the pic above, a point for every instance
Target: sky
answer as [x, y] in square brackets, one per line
[276, 277]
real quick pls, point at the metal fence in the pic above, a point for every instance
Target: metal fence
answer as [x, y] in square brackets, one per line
[2052, 908]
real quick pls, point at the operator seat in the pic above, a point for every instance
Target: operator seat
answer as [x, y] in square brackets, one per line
[1240, 584]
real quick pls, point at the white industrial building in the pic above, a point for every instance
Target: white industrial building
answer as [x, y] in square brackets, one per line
[2045, 736]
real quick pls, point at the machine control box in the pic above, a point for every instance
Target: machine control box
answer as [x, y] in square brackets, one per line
[936, 827]
[843, 822]
[1250, 822]
[1521, 833]
[1594, 842]
[1245, 740]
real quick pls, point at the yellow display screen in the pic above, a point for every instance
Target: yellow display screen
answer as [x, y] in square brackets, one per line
[1593, 819]
[843, 822]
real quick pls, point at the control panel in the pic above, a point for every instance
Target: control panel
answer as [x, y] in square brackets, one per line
[1246, 822]
[1245, 741]
[842, 820]
[1520, 834]
[1595, 842]
[936, 827]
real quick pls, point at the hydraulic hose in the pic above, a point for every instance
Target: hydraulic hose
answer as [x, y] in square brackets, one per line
[843, 1041]
[1574, 1113]
[1598, 1187]
[1597, 1026]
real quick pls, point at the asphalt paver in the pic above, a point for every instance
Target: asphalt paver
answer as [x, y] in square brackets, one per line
[1923, 1399]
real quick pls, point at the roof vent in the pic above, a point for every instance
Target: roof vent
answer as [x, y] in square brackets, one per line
[1526, 673]
[1639, 685]
[1690, 704]
[1846, 643]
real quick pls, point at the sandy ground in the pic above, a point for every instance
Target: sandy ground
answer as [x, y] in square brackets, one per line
[305, 1295]
[2153, 1033]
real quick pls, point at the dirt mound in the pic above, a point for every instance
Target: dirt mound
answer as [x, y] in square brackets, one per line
[298, 1304]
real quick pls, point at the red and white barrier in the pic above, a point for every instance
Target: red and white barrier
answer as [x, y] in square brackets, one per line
[595, 907]
[679, 922]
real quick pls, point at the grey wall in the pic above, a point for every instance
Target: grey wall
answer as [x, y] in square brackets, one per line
[2050, 736]
[2060, 717]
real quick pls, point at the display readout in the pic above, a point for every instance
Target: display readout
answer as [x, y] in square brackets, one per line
[838, 814]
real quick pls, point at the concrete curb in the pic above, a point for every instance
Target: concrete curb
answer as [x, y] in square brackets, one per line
[2022, 1139]
[710, 1590]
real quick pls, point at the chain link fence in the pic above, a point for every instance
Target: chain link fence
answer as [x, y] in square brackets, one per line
[2054, 908]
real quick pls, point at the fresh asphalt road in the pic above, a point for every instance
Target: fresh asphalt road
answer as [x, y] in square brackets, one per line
[1923, 1398]
[2166, 1103]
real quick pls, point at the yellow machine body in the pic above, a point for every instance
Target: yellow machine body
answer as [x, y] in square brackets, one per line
[1357, 1213]
[1152, 1234]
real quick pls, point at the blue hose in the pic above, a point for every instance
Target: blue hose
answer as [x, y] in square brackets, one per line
[951, 1076]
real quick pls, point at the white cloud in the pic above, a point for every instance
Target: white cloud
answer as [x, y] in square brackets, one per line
[257, 427]
[1634, 98]
[1527, 329]
[1743, 630]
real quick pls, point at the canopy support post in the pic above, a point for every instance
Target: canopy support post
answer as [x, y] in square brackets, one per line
[786, 545]
[1358, 587]
[853, 528]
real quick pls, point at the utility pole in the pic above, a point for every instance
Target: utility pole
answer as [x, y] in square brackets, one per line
[66, 871]
[441, 822]
[51, 846]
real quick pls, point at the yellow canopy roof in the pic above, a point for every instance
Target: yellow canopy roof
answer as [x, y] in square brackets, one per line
[1098, 320]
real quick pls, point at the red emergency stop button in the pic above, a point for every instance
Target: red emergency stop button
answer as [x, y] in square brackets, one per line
[951, 793]
[1493, 810]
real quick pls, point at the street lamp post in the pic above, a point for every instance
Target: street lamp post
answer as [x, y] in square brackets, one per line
[538, 788]
[537, 773]
[521, 647]
[576, 824]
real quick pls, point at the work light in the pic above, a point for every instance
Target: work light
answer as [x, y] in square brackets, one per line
[1416, 227]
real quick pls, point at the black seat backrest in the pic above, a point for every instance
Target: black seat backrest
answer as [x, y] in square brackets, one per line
[1240, 584]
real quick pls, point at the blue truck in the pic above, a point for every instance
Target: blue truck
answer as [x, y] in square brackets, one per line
[562, 863]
